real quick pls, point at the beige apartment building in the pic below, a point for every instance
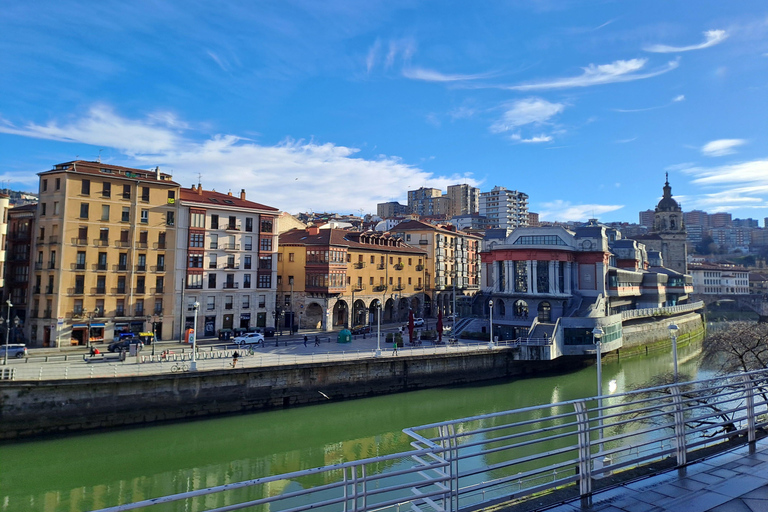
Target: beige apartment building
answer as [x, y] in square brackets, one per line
[101, 254]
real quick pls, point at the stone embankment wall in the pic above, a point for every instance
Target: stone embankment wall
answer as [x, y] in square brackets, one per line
[642, 336]
[48, 407]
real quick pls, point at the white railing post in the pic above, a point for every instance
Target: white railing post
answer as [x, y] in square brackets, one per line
[679, 418]
[749, 392]
[585, 455]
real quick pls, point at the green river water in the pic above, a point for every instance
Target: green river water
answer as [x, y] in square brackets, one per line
[95, 470]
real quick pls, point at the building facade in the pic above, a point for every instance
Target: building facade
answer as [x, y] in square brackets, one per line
[465, 199]
[505, 209]
[710, 279]
[100, 253]
[21, 227]
[226, 252]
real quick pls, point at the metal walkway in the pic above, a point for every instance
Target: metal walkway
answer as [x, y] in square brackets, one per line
[735, 481]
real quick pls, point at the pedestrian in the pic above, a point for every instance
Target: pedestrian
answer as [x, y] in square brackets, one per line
[305, 340]
[234, 358]
[93, 351]
[317, 341]
[394, 347]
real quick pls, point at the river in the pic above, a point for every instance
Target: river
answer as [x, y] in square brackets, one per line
[95, 470]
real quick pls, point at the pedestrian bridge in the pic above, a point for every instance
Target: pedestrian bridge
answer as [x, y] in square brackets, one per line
[560, 455]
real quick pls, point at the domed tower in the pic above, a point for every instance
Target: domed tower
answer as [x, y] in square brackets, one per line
[668, 217]
[669, 227]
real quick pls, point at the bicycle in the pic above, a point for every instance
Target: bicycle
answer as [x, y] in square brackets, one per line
[180, 367]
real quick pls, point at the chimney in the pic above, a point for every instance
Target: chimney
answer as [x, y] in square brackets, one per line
[313, 230]
[193, 188]
[229, 193]
[242, 194]
[157, 173]
[199, 189]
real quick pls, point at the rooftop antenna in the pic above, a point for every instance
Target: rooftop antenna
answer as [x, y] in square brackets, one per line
[99, 159]
[199, 178]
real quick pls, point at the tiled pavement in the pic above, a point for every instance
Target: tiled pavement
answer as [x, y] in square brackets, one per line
[735, 481]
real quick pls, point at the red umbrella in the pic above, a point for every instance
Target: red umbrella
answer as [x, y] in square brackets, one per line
[439, 327]
[410, 326]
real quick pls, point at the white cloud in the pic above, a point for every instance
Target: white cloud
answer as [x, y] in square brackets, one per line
[526, 111]
[625, 141]
[617, 71]
[721, 147]
[287, 175]
[429, 75]
[680, 97]
[711, 38]
[373, 52]
[539, 138]
[560, 210]
[739, 185]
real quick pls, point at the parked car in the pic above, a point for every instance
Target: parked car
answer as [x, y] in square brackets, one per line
[123, 344]
[361, 329]
[14, 350]
[251, 338]
[418, 322]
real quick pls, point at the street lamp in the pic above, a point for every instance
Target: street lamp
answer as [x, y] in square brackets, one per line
[597, 335]
[7, 331]
[490, 320]
[378, 328]
[673, 334]
[193, 364]
[90, 321]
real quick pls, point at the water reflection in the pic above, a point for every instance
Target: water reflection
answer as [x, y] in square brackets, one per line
[112, 467]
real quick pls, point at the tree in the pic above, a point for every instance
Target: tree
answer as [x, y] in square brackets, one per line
[739, 347]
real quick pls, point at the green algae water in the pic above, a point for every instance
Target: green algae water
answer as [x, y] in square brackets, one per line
[96, 470]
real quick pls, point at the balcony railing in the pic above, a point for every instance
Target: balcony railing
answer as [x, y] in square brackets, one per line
[79, 241]
[141, 268]
[35, 289]
[121, 267]
[49, 290]
[46, 314]
[381, 266]
[359, 264]
[101, 242]
[231, 286]
[141, 245]
[232, 227]
[418, 287]
[38, 265]
[399, 287]
[419, 268]
[157, 291]
[248, 247]
[160, 245]
[120, 290]
[158, 268]
[358, 287]
[78, 266]
[231, 266]
[123, 243]
[399, 266]
[380, 288]
[100, 266]
[194, 286]
[230, 247]
[53, 239]
[98, 290]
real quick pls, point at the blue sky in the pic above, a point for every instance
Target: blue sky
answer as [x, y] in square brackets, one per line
[339, 105]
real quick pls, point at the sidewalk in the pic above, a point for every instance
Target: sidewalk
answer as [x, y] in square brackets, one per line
[734, 481]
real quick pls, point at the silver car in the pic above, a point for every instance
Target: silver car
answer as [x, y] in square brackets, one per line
[14, 350]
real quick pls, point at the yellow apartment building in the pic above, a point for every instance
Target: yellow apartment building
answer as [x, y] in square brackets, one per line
[101, 254]
[330, 278]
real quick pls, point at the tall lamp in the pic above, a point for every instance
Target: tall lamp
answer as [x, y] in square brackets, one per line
[193, 364]
[597, 336]
[378, 328]
[7, 331]
[490, 321]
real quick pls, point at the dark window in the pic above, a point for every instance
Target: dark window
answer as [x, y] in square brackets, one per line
[42, 209]
[80, 262]
[82, 234]
[122, 261]
[195, 261]
[106, 190]
[246, 280]
[83, 210]
[196, 240]
[159, 284]
[145, 194]
[160, 262]
[85, 187]
[247, 262]
[161, 240]
[58, 183]
[102, 262]
[101, 284]
[265, 281]
[266, 225]
[232, 222]
[142, 263]
[140, 284]
[171, 197]
[266, 244]
[143, 236]
[214, 222]
[265, 262]
[126, 216]
[45, 185]
[79, 284]
[121, 284]
[170, 218]
[126, 191]
[249, 223]
[104, 234]
[211, 280]
[124, 235]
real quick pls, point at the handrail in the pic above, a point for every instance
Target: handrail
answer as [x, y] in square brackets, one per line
[470, 463]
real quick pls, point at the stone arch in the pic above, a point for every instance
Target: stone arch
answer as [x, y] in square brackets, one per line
[359, 316]
[502, 309]
[521, 309]
[340, 314]
[313, 318]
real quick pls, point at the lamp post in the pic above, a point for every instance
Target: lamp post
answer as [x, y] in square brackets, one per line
[7, 331]
[378, 328]
[673, 334]
[597, 335]
[490, 321]
[90, 321]
[193, 364]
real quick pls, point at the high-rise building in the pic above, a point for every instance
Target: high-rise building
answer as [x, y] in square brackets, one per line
[505, 209]
[720, 220]
[103, 234]
[696, 218]
[646, 218]
[390, 209]
[465, 199]
[226, 251]
[428, 202]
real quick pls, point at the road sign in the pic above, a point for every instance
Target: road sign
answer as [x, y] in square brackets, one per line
[59, 323]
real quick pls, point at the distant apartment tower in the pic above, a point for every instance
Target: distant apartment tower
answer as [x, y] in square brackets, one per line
[391, 209]
[533, 219]
[505, 209]
[647, 217]
[103, 233]
[428, 202]
[465, 199]
[720, 220]
[696, 218]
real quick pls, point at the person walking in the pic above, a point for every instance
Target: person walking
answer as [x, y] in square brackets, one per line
[317, 341]
[394, 347]
[305, 340]
[234, 358]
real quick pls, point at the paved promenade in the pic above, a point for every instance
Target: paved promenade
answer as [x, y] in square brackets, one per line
[734, 481]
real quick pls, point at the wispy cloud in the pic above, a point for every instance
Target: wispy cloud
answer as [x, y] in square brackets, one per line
[402, 49]
[676, 99]
[218, 60]
[721, 147]
[739, 185]
[526, 111]
[617, 71]
[288, 170]
[373, 52]
[533, 140]
[560, 210]
[711, 38]
[429, 75]
[625, 141]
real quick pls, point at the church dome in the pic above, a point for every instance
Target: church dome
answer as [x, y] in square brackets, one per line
[667, 204]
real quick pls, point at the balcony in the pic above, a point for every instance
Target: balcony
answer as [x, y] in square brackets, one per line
[78, 266]
[38, 265]
[380, 288]
[41, 240]
[160, 245]
[231, 286]
[120, 290]
[157, 291]
[46, 314]
[141, 245]
[358, 287]
[359, 264]
[381, 266]
[119, 311]
[140, 290]
[139, 312]
[33, 313]
[98, 290]
[121, 267]
[194, 286]
[35, 289]
[232, 227]
[248, 247]
[419, 268]
[230, 247]
[399, 266]
[231, 266]
[123, 244]
[100, 266]
[101, 242]
[53, 239]
[141, 268]
[399, 287]
[158, 268]
[49, 290]
[80, 241]
[418, 287]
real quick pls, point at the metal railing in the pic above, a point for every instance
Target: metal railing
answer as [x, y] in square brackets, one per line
[663, 311]
[554, 451]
